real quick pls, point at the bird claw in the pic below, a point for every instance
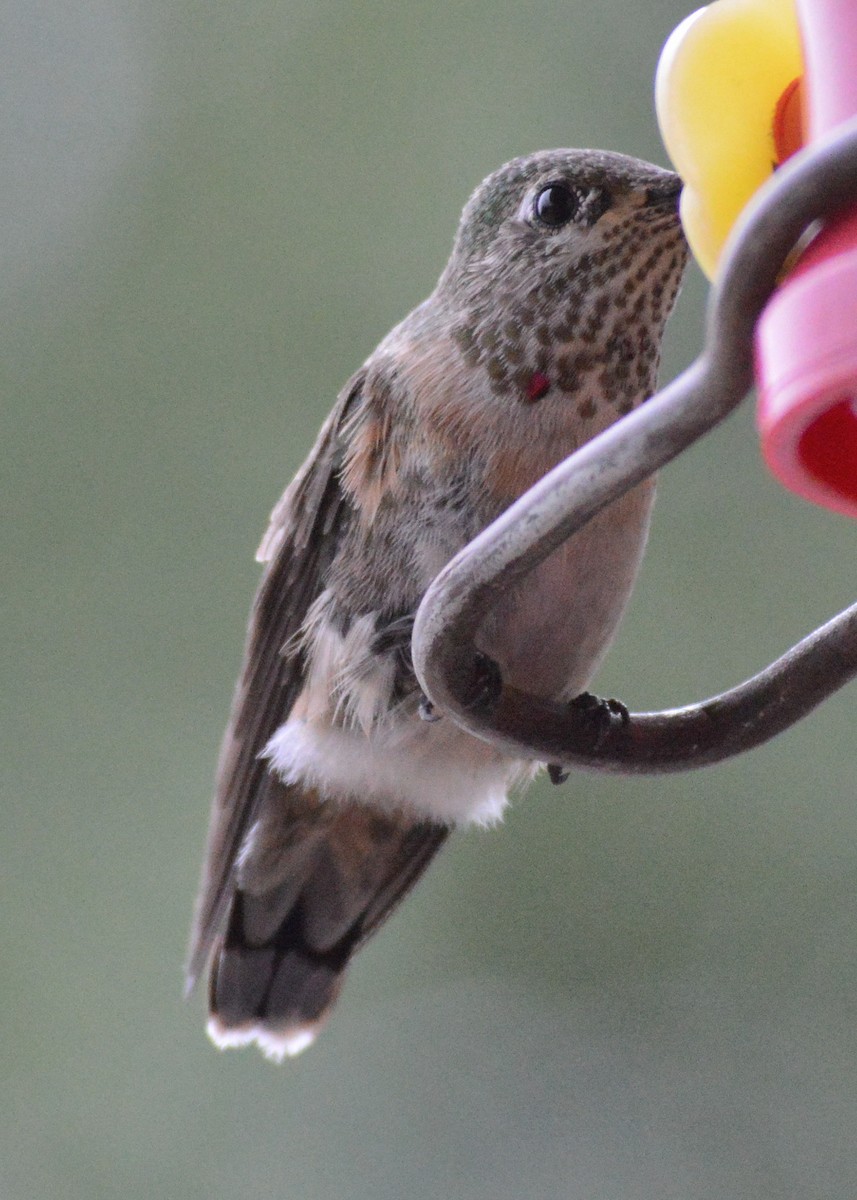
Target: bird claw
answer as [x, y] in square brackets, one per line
[427, 710]
[603, 716]
[485, 683]
[557, 773]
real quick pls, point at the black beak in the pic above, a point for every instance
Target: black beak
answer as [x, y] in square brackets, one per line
[666, 194]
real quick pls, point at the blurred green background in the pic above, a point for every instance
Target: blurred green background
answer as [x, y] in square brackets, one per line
[635, 989]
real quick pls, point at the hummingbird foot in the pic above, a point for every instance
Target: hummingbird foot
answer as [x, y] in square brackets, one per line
[557, 773]
[427, 711]
[484, 685]
[603, 716]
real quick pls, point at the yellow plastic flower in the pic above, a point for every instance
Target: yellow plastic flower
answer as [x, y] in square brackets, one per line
[728, 100]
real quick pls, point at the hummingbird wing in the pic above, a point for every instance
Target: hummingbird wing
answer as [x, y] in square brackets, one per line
[296, 882]
[298, 546]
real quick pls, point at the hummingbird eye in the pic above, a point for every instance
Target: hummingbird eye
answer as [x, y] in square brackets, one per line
[555, 205]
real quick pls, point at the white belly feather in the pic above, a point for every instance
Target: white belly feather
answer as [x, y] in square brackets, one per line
[432, 769]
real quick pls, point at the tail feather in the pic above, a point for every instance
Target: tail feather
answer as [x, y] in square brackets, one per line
[283, 957]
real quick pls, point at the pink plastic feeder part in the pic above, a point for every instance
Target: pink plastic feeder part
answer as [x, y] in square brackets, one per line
[806, 340]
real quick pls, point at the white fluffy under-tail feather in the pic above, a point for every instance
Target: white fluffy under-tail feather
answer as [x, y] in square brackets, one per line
[431, 769]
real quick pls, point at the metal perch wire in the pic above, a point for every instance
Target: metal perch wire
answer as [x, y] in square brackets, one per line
[816, 184]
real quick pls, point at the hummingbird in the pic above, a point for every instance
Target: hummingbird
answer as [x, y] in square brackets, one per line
[337, 782]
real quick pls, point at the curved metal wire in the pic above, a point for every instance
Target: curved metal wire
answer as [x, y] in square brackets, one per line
[816, 184]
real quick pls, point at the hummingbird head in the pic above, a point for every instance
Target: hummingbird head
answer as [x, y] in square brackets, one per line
[553, 208]
[567, 262]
